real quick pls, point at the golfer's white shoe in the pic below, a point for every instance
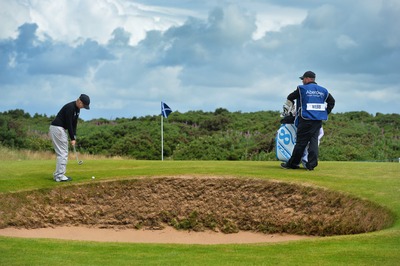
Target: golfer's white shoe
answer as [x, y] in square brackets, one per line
[63, 179]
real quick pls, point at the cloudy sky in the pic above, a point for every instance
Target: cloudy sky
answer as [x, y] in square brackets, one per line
[130, 55]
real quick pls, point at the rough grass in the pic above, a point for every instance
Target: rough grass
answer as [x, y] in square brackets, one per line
[10, 154]
[22, 154]
[227, 205]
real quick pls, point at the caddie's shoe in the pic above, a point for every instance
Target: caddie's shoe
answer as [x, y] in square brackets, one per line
[287, 166]
[308, 167]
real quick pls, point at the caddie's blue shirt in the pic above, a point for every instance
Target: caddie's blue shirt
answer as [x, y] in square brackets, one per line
[312, 102]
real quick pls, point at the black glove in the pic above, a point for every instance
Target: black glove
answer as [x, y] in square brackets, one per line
[289, 119]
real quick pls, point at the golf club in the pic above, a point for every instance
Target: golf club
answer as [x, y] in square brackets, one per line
[76, 154]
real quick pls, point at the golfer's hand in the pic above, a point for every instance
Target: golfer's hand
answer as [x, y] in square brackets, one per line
[73, 142]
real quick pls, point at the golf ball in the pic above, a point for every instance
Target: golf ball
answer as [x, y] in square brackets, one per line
[93, 177]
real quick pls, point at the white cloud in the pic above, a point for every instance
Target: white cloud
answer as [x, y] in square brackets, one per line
[71, 20]
[345, 42]
[12, 15]
[275, 18]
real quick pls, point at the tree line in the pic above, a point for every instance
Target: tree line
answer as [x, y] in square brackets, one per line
[218, 135]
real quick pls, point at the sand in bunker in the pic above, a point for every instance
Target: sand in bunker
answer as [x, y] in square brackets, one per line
[167, 235]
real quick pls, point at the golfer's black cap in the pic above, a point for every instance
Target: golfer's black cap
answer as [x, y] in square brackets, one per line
[308, 74]
[85, 100]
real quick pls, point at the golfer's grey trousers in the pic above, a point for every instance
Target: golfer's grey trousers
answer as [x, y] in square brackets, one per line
[59, 138]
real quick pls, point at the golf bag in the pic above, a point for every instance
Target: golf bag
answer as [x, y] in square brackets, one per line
[285, 141]
[286, 134]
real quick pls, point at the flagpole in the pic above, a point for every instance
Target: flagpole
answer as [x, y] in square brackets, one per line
[165, 111]
[162, 139]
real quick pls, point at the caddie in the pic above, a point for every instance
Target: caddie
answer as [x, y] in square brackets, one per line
[314, 104]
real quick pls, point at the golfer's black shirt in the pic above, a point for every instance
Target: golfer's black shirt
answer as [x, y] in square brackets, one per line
[67, 118]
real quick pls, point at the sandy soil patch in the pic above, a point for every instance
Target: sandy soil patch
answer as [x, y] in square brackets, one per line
[167, 235]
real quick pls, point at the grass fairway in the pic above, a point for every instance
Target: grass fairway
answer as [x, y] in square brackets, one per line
[377, 182]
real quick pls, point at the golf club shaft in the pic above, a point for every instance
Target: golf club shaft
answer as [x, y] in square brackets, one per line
[76, 155]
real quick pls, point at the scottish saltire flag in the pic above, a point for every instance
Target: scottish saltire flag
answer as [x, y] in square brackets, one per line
[165, 110]
[285, 141]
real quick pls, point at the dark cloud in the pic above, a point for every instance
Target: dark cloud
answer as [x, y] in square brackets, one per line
[212, 52]
[30, 55]
[340, 40]
[120, 38]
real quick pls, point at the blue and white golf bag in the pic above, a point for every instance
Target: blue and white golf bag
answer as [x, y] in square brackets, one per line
[285, 141]
[286, 135]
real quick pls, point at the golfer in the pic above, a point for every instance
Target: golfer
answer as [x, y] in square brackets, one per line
[64, 125]
[312, 110]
